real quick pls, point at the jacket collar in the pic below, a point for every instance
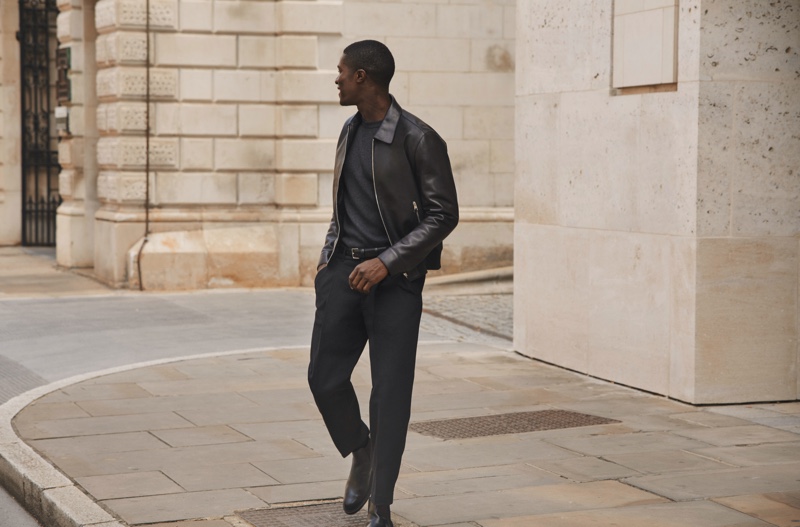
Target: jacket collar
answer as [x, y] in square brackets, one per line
[389, 125]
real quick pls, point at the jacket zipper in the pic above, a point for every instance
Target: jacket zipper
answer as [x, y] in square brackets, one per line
[377, 201]
[416, 211]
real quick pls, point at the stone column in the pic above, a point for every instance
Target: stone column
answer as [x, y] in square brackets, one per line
[77, 148]
[121, 121]
[10, 118]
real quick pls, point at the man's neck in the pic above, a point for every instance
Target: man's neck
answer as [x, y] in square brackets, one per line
[375, 108]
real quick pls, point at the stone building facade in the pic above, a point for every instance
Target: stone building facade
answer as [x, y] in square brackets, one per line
[237, 124]
[657, 239]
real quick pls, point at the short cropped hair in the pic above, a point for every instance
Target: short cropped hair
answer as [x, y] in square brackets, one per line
[374, 58]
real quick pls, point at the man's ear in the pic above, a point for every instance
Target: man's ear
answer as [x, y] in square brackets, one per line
[361, 76]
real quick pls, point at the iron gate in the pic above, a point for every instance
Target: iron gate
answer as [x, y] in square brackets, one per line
[37, 44]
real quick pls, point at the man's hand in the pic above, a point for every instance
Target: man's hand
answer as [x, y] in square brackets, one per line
[367, 274]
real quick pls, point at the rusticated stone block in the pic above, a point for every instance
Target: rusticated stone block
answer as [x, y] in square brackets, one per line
[69, 25]
[244, 154]
[132, 82]
[121, 48]
[256, 51]
[66, 180]
[306, 154]
[256, 188]
[309, 17]
[131, 152]
[122, 117]
[195, 188]
[244, 16]
[296, 189]
[298, 121]
[195, 50]
[116, 14]
[121, 187]
[257, 120]
[306, 86]
[197, 154]
[295, 51]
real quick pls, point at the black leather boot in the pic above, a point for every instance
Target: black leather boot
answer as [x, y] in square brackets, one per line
[356, 492]
[379, 516]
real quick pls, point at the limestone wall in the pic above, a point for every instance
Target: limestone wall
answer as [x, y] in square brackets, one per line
[244, 118]
[656, 234]
[10, 177]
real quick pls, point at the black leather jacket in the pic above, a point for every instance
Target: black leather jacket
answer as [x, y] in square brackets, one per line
[414, 189]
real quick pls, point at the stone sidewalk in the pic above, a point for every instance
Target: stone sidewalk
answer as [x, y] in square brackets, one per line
[199, 441]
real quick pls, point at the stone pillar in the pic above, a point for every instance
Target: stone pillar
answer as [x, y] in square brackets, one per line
[10, 118]
[656, 236]
[121, 122]
[77, 148]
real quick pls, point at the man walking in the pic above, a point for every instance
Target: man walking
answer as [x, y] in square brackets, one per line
[394, 202]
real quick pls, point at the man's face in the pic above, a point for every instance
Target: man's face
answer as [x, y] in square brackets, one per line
[348, 83]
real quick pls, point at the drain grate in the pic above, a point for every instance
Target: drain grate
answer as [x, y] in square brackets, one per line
[325, 514]
[514, 423]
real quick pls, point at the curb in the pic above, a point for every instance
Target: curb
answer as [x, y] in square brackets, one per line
[43, 490]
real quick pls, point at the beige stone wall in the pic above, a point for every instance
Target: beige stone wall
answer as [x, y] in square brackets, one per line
[656, 239]
[10, 177]
[244, 119]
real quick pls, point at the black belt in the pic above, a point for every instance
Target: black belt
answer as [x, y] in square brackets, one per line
[355, 253]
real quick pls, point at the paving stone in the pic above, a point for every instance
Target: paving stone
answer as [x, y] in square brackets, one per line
[258, 414]
[626, 443]
[196, 523]
[174, 507]
[320, 490]
[583, 469]
[638, 404]
[200, 386]
[664, 462]
[731, 482]
[491, 451]
[701, 514]
[201, 435]
[450, 386]
[785, 422]
[52, 411]
[91, 392]
[522, 502]
[164, 372]
[740, 435]
[470, 480]
[282, 429]
[766, 454]
[780, 508]
[88, 426]
[87, 464]
[784, 408]
[307, 470]
[217, 477]
[162, 404]
[97, 445]
[705, 418]
[128, 485]
[743, 411]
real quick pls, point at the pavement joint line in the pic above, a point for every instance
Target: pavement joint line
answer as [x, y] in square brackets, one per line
[42, 489]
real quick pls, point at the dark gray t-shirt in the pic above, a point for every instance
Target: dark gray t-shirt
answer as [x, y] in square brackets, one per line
[361, 222]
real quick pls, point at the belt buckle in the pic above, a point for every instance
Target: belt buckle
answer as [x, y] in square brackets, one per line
[354, 254]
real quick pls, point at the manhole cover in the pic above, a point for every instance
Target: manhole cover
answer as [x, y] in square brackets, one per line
[514, 423]
[322, 515]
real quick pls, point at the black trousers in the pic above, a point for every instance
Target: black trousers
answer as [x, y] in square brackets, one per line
[388, 317]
